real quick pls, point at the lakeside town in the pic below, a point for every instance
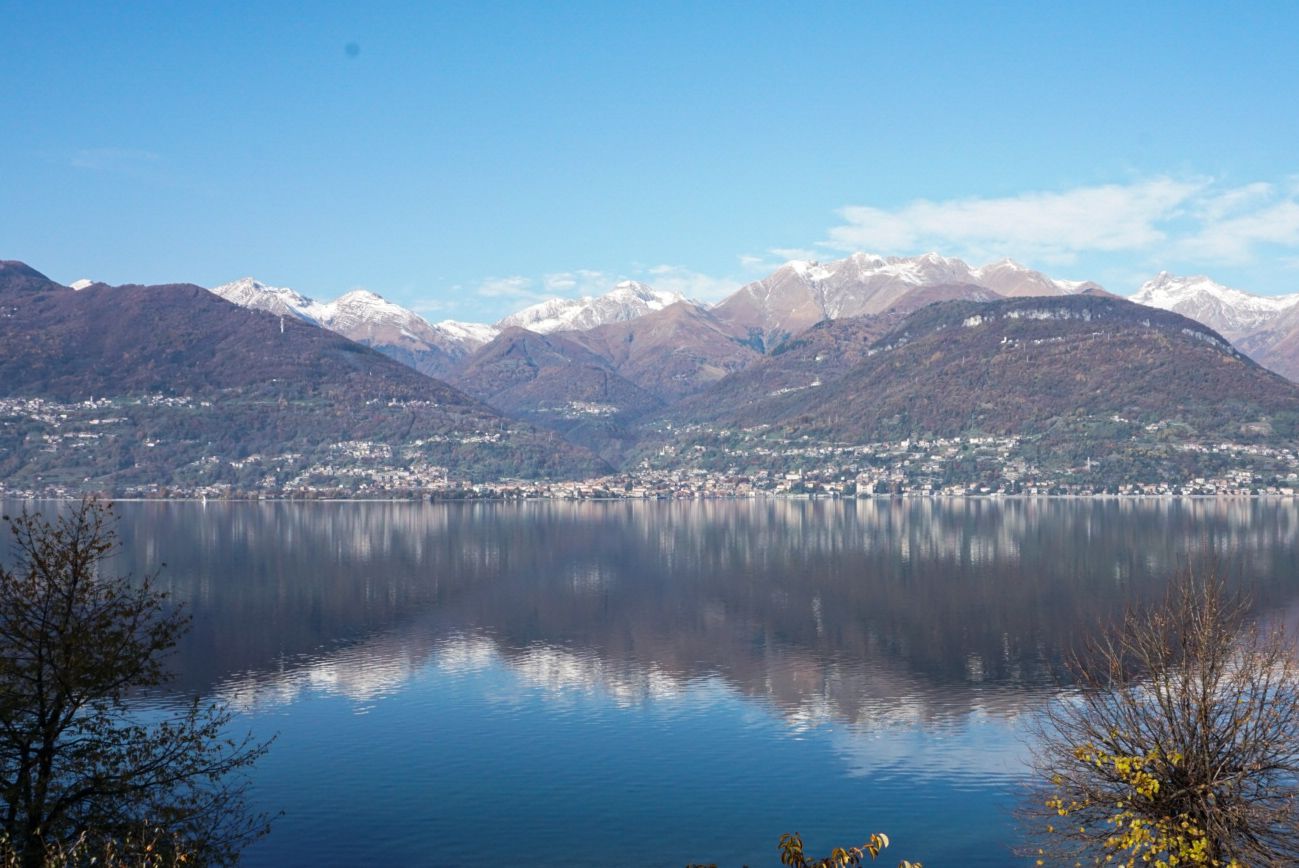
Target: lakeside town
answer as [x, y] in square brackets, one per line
[753, 465]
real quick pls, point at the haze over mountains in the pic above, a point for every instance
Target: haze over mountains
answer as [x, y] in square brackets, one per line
[863, 347]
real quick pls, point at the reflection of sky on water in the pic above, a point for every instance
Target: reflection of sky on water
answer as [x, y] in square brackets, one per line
[685, 679]
[669, 750]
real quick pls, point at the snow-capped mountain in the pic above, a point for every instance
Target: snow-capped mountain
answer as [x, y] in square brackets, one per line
[801, 293]
[1266, 328]
[626, 301]
[794, 297]
[279, 300]
[473, 334]
[1007, 277]
[370, 319]
[1231, 312]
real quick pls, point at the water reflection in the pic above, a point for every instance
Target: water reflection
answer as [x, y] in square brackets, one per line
[861, 611]
[654, 676]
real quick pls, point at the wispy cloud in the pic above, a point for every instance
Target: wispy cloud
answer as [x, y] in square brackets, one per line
[1047, 226]
[579, 282]
[515, 287]
[758, 266]
[1196, 220]
[433, 306]
[1220, 204]
[1119, 232]
[135, 166]
[692, 284]
[1235, 237]
[787, 253]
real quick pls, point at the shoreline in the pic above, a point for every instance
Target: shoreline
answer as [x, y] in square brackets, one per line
[427, 499]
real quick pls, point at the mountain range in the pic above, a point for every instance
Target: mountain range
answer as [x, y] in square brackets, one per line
[762, 314]
[110, 386]
[628, 300]
[1005, 367]
[369, 319]
[844, 351]
[800, 294]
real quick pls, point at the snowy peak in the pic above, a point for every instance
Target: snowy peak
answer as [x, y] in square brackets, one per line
[808, 270]
[368, 318]
[1231, 312]
[1005, 277]
[1009, 278]
[801, 292]
[917, 270]
[626, 301]
[471, 334]
[360, 307]
[630, 292]
[279, 300]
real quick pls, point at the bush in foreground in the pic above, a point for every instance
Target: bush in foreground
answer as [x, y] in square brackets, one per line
[1180, 745]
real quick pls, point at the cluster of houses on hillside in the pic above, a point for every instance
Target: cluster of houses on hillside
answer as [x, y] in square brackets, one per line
[717, 464]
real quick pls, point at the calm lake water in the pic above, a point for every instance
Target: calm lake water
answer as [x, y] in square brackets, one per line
[659, 683]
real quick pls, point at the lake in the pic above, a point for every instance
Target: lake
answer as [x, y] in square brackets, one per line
[666, 682]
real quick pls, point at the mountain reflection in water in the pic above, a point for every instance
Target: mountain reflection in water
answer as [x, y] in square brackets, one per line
[811, 604]
[905, 638]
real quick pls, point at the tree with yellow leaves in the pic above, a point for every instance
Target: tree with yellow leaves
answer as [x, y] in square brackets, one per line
[1179, 744]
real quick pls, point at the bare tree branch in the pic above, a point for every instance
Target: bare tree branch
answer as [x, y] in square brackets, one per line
[1179, 741]
[77, 769]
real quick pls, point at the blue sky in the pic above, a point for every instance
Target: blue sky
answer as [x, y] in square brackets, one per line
[466, 158]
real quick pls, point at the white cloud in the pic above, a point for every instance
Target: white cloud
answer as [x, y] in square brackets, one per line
[433, 305]
[1216, 205]
[1047, 226]
[692, 284]
[579, 282]
[515, 286]
[1234, 239]
[1118, 234]
[785, 254]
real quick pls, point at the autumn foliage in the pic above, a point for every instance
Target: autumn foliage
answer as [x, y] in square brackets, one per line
[1180, 744]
